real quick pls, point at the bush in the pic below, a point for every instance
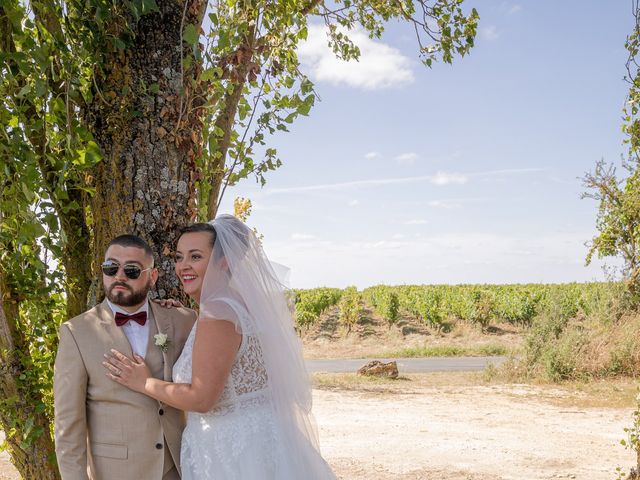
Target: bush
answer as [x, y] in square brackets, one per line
[384, 301]
[430, 309]
[482, 311]
[541, 339]
[350, 308]
[561, 358]
[517, 308]
[310, 304]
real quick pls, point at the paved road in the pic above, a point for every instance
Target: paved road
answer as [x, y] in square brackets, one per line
[408, 365]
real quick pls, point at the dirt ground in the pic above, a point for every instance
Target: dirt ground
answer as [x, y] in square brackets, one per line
[471, 433]
[450, 428]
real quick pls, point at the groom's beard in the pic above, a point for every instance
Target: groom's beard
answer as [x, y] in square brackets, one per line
[130, 298]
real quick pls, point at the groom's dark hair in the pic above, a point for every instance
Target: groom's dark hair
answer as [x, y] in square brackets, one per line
[132, 241]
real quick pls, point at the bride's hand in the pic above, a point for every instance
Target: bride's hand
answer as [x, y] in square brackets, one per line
[132, 374]
[168, 302]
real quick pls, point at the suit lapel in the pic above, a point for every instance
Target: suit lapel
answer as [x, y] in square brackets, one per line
[154, 358]
[164, 325]
[118, 339]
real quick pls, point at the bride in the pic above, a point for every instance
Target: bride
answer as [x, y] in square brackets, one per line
[241, 376]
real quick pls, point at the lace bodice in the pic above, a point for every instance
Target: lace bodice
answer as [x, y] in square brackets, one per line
[247, 384]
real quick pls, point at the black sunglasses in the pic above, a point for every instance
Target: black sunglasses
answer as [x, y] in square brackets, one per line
[130, 270]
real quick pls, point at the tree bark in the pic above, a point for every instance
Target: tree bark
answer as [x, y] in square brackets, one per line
[149, 129]
[76, 257]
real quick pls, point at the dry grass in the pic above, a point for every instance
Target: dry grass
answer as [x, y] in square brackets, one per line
[372, 337]
[612, 393]
[582, 348]
[613, 347]
[405, 384]
[481, 350]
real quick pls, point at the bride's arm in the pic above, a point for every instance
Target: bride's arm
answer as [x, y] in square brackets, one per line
[214, 352]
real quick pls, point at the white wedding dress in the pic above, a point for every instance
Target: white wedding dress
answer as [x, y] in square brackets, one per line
[240, 438]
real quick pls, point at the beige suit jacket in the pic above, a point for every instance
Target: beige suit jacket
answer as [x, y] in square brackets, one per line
[103, 430]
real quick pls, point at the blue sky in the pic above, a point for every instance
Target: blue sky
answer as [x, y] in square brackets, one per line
[457, 174]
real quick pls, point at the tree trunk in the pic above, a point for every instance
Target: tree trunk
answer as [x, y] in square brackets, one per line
[33, 460]
[226, 119]
[77, 262]
[149, 129]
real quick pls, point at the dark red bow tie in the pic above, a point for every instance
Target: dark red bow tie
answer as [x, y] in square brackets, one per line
[140, 317]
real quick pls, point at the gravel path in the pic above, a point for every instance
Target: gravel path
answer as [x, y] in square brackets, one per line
[463, 433]
[469, 433]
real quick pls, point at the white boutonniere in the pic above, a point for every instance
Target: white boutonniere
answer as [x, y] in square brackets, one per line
[162, 341]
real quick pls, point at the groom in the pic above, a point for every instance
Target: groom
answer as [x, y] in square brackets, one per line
[102, 429]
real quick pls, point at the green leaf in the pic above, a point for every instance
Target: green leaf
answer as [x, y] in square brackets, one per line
[208, 74]
[223, 40]
[306, 86]
[41, 87]
[93, 153]
[23, 91]
[190, 35]
[149, 6]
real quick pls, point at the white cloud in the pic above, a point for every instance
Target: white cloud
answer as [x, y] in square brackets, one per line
[507, 171]
[303, 236]
[407, 158]
[489, 33]
[562, 181]
[444, 204]
[353, 203]
[416, 222]
[442, 178]
[372, 155]
[515, 9]
[379, 66]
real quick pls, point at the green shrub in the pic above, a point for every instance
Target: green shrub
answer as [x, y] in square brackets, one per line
[560, 358]
[482, 310]
[384, 301]
[350, 308]
[310, 304]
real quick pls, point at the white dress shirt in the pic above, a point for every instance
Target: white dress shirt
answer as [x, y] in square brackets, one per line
[138, 335]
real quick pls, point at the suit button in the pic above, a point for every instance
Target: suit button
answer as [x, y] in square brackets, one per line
[159, 446]
[161, 412]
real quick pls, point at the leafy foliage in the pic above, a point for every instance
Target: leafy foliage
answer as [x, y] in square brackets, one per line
[310, 304]
[384, 301]
[350, 307]
[618, 219]
[519, 304]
